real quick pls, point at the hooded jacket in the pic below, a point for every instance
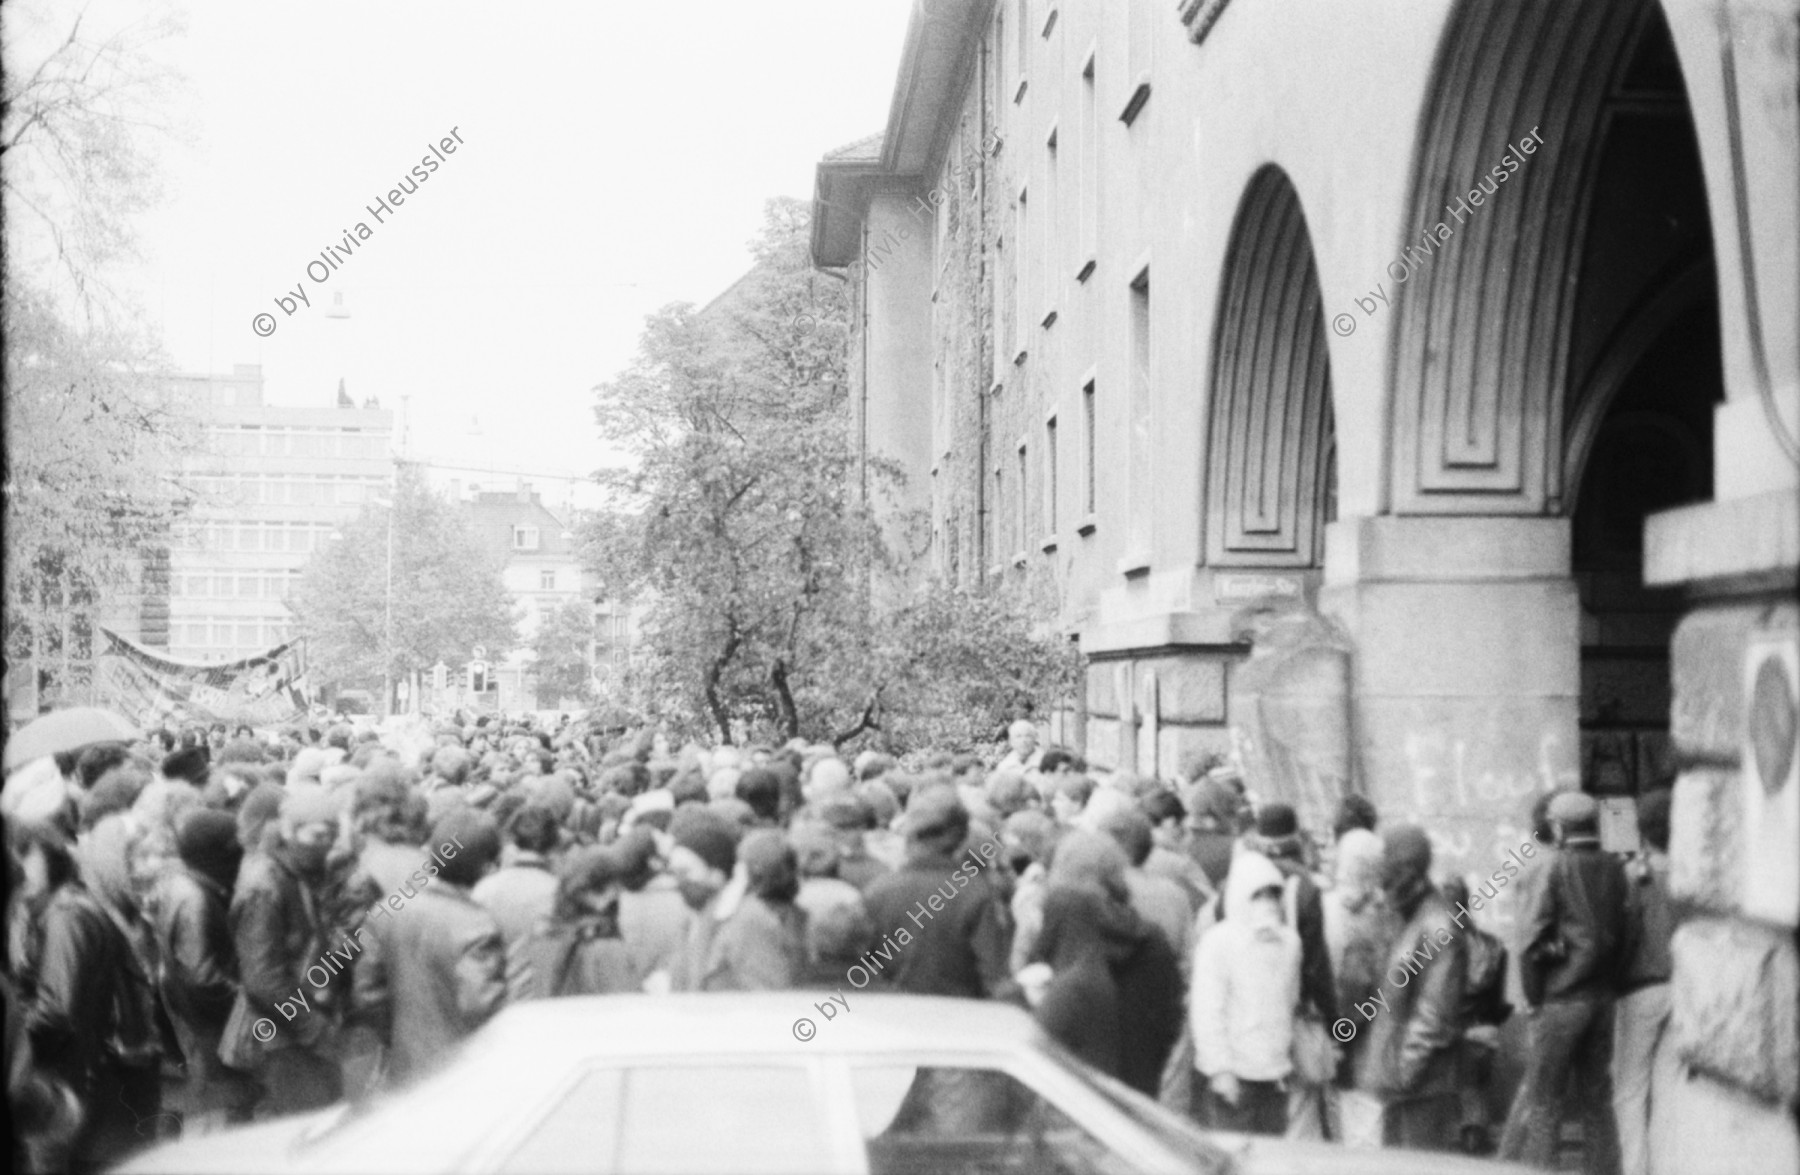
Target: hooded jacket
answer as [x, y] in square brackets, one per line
[1246, 983]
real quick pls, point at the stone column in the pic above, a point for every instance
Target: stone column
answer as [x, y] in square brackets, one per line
[1466, 675]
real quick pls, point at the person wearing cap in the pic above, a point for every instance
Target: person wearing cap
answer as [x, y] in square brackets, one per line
[760, 944]
[433, 970]
[190, 918]
[1411, 1052]
[943, 897]
[1571, 957]
[278, 931]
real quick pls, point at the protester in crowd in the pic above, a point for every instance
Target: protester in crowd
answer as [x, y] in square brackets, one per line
[1571, 954]
[575, 948]
[1023, 755]
[959, 943]
[521, 892]
[199, 973]
[760, 944]
[702, 859]
[1069, 797]
[1246, 985]
[1484, 1010]
[1168, 858]
[1643, 1060]
[278, 932]
[434, 970]
[1359, 929]
[1161, 901]
[1214, 822]
[1411, 1059]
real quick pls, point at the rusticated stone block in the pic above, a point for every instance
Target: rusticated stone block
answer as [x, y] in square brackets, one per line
[1705, 839]
[1191, 690]
[1735, 1014]
[1706, 667]
[1102, 692]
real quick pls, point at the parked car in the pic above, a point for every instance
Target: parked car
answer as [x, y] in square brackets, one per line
[686, 1084]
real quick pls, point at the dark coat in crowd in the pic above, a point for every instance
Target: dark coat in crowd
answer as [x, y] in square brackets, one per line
[429, 976]
[1412, 1050]
[1575, 926]
[960, 949]
[1081, 1006]
[278, 932]
[582, 956]
[199, 964]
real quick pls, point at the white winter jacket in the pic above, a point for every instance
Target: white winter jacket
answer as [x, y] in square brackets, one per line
[1246, 984]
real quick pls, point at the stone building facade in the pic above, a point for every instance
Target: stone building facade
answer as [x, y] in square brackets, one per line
[1403, 396]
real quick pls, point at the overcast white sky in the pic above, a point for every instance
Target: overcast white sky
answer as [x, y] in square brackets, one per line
[618, 154]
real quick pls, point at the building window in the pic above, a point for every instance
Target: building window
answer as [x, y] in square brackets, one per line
[1137, 511]
[1089, 179]
[1050, 477]
[546, 581]
[994, 543]
[1023, 511]
[1087, 443]
[1052, 209]
[525, 538]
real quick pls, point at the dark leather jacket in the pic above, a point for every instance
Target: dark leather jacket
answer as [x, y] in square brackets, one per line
[277, 929]
[193, 938]
[1575, 926]
[1412, 1047]
[75, 974]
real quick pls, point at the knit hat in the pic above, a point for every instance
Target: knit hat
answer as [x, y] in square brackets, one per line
[206, 840]
[707, 835]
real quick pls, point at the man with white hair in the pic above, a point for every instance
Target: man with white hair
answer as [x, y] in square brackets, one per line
[1025, 754]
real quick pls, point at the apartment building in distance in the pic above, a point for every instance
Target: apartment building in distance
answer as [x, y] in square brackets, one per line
[275, 482]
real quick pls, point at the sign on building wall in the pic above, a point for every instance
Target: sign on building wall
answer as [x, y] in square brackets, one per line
[149, 688]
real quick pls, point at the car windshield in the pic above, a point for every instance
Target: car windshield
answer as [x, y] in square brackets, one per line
[1170, 1129]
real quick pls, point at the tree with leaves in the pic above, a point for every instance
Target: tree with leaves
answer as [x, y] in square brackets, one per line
[560, 653]
[742, 525]
[93, 442]
[447, 594]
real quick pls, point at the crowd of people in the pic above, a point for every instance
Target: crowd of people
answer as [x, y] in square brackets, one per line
[213, 926]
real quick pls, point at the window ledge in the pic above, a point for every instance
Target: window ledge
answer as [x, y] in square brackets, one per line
[1019, 94]
[1086, 271]
[1087, 526]
[1020, 558]
[1134, 564]
[1048, 543]
[1019, 358]
[1050, 318]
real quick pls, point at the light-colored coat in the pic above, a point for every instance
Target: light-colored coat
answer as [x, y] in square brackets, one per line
[1246, 984]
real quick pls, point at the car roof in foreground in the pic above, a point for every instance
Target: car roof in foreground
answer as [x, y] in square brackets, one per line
[719, 1024]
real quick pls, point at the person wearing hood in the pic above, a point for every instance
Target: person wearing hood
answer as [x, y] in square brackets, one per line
[433, 969]
[278, 931]
[576, 949]
[1215, 815]
[761, 943]
[1411, 1060]
[1080, 1006]
[1246, 988]
[1142, 965]
[199, 966]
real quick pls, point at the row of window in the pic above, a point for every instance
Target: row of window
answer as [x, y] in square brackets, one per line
[282, 490]
[267, 584]
[250, 636]
[250, 441]
[254, 536]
